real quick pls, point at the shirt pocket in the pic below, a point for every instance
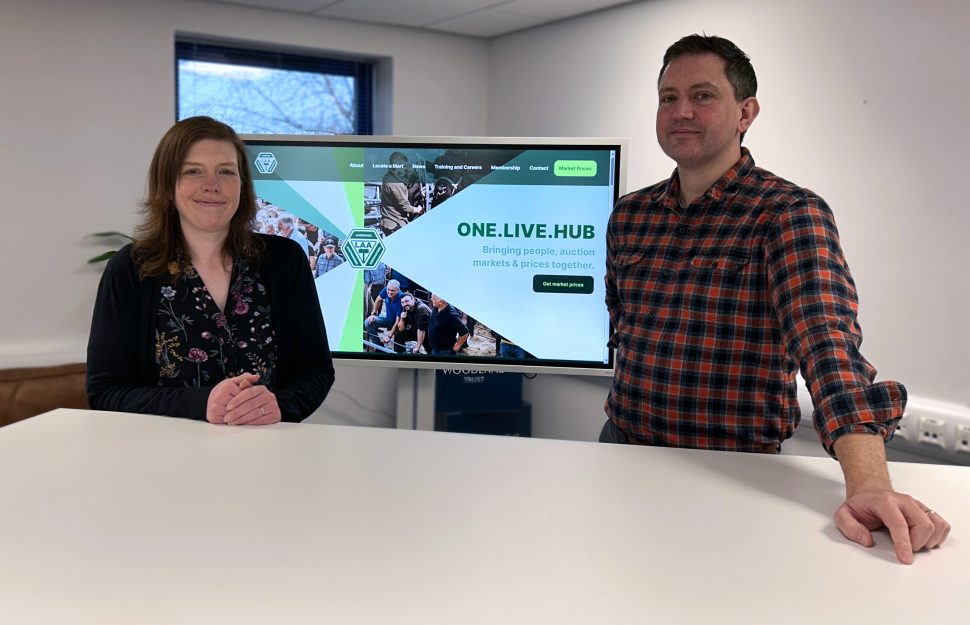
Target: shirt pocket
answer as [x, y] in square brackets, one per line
[721, 264]
[627, 260]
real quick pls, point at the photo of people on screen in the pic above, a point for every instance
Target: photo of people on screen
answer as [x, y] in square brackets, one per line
[402, 194]
[446, 331]
[444, 188]
[412, 335]
[380, 324]
[329, 258]
[271, 219]
[413, 324]
[397, 319]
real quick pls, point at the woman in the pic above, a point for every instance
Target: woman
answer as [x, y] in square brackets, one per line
[201, 317]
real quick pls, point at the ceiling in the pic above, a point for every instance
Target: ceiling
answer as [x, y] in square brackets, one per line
[477, 18]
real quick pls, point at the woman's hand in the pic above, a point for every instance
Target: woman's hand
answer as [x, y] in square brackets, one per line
[253, 405]
[221, 393]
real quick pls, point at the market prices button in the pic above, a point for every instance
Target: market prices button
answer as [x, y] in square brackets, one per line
[562, 284]
[584, 169]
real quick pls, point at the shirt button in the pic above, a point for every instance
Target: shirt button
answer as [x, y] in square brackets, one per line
[682, 230]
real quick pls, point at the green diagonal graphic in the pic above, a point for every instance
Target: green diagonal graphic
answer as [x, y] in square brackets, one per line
[355, 200]
[352, 338]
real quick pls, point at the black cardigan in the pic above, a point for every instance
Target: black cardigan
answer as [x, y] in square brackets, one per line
[122, 374]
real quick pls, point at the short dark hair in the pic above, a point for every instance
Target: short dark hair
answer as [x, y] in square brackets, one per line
[737, 68]
[158, 238]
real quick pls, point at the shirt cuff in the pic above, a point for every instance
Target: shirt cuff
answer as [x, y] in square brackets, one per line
[872, 409]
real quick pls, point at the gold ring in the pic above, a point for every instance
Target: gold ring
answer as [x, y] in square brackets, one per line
[262, 412]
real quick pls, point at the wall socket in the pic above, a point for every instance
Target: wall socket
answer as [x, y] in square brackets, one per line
[962, 436]
[932, 432]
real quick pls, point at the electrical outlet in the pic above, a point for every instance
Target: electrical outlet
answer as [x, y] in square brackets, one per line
[962, 434]
[932, 432]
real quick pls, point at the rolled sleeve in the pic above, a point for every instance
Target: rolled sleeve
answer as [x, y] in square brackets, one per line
[872, 409]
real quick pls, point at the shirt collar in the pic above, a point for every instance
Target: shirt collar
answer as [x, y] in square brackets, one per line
[725, 185]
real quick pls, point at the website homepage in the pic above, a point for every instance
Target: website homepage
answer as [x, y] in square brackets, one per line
[471, 252]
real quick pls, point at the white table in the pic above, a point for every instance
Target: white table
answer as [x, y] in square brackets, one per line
[114, 518]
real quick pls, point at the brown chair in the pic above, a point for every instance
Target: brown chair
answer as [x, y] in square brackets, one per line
[34, 390]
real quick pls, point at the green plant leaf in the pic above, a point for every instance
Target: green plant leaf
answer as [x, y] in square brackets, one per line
[112, 234]
[102, 257]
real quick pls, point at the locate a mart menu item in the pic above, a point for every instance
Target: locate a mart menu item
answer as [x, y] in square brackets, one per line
[431, 252]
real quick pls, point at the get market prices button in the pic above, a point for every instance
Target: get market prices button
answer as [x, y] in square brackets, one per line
[584, 169]
[542, 283]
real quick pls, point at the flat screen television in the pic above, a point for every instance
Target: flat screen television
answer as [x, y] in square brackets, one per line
[421, 245]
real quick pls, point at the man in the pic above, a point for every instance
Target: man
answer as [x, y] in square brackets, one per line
[384, 314]
[288, 229]
[412, 325]
[329, 259]
[397, 190]
[374, 280]
[446, 332]
[725, 278]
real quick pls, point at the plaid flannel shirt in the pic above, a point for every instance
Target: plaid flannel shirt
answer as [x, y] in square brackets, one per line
[717, 306]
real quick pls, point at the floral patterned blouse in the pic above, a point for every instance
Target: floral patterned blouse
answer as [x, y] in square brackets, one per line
[198, 345]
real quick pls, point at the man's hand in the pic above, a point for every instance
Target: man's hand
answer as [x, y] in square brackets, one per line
[871, 502]
[912, 525]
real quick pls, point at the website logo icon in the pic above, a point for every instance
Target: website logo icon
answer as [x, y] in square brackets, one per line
[363, 248]
[266, 162]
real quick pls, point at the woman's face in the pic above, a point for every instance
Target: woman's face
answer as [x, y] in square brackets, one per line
[207, 191]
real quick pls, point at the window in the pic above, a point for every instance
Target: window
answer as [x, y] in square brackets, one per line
[258, 91]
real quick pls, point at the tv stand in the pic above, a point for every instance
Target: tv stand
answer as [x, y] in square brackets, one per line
[415, 399]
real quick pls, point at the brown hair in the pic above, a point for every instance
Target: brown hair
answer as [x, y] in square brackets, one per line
[737, 64]
[158, 238]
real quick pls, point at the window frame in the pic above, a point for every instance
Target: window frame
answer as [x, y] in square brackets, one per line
[361, 70]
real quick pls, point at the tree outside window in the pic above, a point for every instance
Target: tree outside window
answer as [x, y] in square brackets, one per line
[258, 92]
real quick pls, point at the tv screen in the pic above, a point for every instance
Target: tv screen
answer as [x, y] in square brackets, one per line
[478, 253]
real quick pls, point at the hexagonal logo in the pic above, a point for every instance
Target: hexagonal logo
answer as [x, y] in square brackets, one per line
[265, 162]
[363, 248]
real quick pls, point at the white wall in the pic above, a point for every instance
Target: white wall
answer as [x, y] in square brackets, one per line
[864, 102]
[87, 90]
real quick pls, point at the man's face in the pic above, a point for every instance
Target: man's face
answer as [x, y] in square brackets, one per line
[407, 303]
[285, 228]
[699, 123]
[328, 250]
[436, 301]
[392, 291]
